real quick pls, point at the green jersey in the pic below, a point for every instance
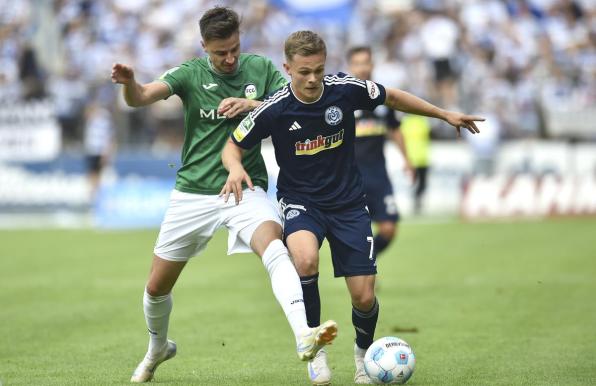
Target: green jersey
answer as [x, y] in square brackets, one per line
[201, 89]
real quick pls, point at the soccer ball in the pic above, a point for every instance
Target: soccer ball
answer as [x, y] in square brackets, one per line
[389, 360]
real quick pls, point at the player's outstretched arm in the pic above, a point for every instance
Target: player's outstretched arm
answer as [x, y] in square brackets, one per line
[136, 94]
[231, 157]
[231, 107]
[406, 102]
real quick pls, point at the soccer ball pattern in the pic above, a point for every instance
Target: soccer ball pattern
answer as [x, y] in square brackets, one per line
[389, 360]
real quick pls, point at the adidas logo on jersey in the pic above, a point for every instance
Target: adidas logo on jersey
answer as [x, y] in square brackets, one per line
[295, 126]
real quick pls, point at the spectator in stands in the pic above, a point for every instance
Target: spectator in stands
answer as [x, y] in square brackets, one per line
[153, 35]
[31, 75]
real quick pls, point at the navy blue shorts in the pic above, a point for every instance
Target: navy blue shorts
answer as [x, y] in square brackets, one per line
[348, 232]
[379, 194]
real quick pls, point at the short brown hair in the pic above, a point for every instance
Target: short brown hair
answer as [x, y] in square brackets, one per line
[356, 50]
[304, 43]
[219, 23]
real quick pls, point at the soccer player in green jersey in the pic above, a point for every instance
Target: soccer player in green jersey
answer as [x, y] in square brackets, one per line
[216, 90]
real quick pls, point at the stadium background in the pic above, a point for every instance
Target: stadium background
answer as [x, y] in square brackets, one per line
[528, 66]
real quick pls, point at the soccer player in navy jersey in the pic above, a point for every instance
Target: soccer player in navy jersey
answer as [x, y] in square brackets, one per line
[372, 129]
[311, 123]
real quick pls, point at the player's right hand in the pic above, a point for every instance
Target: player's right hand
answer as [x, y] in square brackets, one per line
[234, 184]
[121, 73]
[459, 121]
[232, 107]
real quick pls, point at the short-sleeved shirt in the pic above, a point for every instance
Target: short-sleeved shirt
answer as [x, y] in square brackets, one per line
[314, 142]
[201, 89]
[371, 131]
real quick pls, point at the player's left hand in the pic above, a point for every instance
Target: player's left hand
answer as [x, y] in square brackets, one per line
[459, 120]
[234, 184]
[231, 107]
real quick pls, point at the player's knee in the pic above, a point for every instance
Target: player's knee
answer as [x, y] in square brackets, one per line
[306, 263]
[304, 251]
[154, 288]
[364, 300]
[264, 235]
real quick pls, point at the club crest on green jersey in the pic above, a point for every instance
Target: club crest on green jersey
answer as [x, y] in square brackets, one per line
[250, 91]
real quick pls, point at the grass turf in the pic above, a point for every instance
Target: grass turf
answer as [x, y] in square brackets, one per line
[481, 304]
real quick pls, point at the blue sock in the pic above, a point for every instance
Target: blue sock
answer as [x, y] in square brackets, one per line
[380, 243]
[312, 300]
[365, 324]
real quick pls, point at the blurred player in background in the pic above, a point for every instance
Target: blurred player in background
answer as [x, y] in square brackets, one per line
[311, 122]
[99, 143]
[215, 91]
[416, 132]
[372, 128]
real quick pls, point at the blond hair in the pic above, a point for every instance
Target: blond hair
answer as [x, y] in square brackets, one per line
[304, 43]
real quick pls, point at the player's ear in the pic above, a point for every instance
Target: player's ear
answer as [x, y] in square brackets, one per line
[287, 68]
[203, 45]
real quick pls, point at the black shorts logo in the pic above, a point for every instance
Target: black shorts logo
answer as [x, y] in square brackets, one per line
[293, 213]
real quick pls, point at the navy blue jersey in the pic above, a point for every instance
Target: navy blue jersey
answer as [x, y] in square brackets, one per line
[314, 142]
[371, 131]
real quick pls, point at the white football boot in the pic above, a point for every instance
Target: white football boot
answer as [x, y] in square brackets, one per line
[145, 370]
[318, 370]
[314, 339]
[360, 377]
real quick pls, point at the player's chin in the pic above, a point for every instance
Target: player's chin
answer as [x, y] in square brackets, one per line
[228, 69]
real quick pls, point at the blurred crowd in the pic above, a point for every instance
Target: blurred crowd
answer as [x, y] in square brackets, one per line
[508, 59]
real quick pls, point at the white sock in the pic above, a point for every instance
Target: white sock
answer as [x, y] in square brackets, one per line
[157, 315]
[286, 285]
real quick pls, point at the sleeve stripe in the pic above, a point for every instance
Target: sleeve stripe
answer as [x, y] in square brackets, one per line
[329, 82]
[268, 100]
[169, 85]
[273, 99]
[332, 78]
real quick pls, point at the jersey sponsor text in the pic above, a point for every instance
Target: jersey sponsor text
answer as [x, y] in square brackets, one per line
[211, 114]
[310, 147]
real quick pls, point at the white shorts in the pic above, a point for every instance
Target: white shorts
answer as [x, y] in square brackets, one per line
[192, 219]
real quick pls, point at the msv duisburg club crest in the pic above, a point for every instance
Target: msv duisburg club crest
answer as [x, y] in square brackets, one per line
[292, 214]
[333, 115]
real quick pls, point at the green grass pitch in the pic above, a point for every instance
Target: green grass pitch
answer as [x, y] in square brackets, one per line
[481, 304]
